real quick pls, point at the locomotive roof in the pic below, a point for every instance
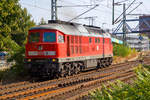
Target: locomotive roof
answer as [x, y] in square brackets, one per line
[73, 29]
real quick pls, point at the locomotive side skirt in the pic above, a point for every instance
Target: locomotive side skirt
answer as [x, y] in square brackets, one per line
[82, 58]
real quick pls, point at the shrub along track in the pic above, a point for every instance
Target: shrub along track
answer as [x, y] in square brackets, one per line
[73, 86]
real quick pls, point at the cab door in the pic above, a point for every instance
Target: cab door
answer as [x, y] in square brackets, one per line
[68, 46]
[103, 47]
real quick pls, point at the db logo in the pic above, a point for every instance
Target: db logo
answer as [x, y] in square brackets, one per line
[40, 47]
[40, 53]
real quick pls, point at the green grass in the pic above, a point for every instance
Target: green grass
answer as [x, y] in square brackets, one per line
[139, 90]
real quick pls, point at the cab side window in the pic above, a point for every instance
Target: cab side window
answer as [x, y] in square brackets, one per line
[60, 38]
[90, 40]
[103, 40]
[98, 40]
[95, 40]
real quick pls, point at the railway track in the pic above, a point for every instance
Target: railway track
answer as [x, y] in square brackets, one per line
[72, 87]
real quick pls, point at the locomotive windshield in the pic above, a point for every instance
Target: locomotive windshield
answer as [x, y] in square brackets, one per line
[49, 37]
[34, 37]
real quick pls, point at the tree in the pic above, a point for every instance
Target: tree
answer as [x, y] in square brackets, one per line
[42, 22]
[14, 21]
[14, 25]
[25, 23]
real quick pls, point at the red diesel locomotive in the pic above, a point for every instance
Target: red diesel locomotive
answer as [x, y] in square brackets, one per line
[62, 48]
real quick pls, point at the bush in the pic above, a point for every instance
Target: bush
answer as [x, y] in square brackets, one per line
[121, 50]
[140, 90]
[2, 75]
[17, 70]
[18, 58]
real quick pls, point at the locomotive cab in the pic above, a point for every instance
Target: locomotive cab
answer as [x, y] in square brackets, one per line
[43, 44]
[42, 50]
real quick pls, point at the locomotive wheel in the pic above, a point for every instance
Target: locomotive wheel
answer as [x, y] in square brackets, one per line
[98, 65]
[57, 75]
[102, 63]
[72, 70]
[65, 73]
[68, 71]
[62, 73]
[76, 69]
[107, 62]
[111, 60]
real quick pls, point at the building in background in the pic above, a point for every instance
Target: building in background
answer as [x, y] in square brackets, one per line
[140, 43]
[144, 24]
[3, 55]
[3, 60]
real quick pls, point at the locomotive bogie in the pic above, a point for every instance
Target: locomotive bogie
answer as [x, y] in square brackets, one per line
[55, 69]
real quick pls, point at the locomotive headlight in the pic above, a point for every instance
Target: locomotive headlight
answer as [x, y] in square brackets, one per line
[53, 60]
[29, 60]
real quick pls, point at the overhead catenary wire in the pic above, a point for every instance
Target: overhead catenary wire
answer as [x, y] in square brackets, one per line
[93, 4]
[36, 6]
[129, 13]
[98, 9]
[102, 5]
[75, 6]
[83, 13]
[135, 8]
[48, 10]
[124, 11]
[121, 1]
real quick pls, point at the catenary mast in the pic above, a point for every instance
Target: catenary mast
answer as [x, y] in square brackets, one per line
[53, 9]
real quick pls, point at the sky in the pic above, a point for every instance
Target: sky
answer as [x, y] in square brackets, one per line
[103, 13]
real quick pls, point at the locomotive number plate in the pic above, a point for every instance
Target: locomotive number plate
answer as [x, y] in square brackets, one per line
[40, 53]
